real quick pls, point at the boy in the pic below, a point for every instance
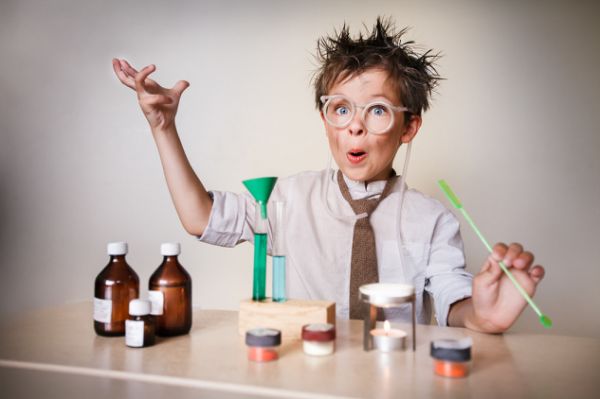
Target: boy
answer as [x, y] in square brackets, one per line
[357, 225]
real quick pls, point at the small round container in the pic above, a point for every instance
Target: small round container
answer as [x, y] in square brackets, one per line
[140, 327]
[262, 344]
[318, 339]
[452, 357]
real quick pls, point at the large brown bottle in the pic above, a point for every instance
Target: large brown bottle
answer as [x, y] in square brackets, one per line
[170, 291]
[116, 285]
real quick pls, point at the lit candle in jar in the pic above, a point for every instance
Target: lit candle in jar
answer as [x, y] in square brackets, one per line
[385, 296]
[388, 339]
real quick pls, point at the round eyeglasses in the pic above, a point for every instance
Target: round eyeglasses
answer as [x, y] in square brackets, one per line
[377, 116]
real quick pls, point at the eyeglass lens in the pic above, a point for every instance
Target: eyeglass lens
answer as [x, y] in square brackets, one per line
[339, 112]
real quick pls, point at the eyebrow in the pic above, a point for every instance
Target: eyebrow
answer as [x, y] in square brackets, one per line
[382, 95]
[371, 97]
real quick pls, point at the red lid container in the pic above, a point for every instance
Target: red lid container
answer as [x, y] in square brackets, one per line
[320, 332]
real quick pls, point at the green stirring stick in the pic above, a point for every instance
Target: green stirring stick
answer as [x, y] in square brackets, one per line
[544, 320]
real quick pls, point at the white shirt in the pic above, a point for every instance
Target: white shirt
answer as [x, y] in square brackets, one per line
[318, 241]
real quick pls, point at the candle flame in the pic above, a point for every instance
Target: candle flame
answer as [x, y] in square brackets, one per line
[386, 326]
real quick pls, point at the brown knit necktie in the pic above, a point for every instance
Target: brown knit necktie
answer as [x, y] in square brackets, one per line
[363, 265]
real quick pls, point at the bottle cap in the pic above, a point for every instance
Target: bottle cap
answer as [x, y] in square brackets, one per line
[170, 249]
[322, 332]
[263, 337]
[117, 248]
[139, 307]
[457, 350]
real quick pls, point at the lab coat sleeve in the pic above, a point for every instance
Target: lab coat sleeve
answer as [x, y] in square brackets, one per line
[230, 219]
[446, 278]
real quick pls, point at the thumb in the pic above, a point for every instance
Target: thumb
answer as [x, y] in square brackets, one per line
[490, 272]
[181, 86]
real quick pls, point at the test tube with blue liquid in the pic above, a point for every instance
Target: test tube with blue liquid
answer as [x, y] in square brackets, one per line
[279, 253]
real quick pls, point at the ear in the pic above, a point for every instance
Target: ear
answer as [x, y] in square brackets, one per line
[411, 129]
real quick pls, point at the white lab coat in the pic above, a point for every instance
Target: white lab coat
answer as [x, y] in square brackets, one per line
[319, 244]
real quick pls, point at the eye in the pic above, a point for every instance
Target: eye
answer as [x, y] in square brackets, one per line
[378, 110]
[342, 110]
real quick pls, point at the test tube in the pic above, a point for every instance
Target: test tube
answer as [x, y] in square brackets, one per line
[260, 188]
[260, 255]
[279, 253]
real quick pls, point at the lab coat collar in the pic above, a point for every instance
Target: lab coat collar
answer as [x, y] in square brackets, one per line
[360, 190]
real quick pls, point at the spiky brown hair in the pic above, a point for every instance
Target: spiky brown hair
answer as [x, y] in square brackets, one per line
[340, 56]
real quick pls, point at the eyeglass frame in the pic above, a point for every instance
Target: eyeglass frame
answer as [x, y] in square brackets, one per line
[326, 98]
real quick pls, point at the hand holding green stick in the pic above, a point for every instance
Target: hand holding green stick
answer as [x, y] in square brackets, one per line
[544, 320]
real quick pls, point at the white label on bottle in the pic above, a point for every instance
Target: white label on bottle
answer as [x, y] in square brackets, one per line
[157, 299]
[134, 333]
[102, 310]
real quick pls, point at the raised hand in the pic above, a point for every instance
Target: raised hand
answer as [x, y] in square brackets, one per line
[496, 301]
[158, 103]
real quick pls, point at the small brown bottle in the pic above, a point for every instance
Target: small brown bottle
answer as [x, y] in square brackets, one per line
[115, 286]
[170, 291]
[140, 326]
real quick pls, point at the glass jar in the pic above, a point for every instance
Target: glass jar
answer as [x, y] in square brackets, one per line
[318, 339]
[263, 344]
[452, 357]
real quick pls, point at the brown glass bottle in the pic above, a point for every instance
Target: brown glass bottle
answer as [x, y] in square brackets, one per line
[140, 326]
[115, 286]
[170, 291]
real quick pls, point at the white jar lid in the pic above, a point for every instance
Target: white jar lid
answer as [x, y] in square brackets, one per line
[139, 307]
[117, 248]
[170, 249]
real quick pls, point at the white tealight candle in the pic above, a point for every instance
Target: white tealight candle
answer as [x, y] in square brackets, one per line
[388, 339]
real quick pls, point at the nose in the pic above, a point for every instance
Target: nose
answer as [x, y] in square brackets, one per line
[357, 126]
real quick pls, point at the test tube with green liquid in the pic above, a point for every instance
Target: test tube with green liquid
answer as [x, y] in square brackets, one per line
[279, 253]
[260, 188]
[259, 281]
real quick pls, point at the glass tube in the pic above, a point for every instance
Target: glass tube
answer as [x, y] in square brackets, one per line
[279, 253]
[260, 256]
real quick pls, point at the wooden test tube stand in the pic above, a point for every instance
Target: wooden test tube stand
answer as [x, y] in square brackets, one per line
[288, 316]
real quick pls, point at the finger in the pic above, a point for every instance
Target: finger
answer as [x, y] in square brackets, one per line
[140, 77]
[499, 251]
[149, 83]
[118, 70]
[514, 250]
[181, 86]
[126, 80]
[127, 70]
[130, 70]
[491, 272]
[156, 99]
[537, 273]
[524, 261]
[486, 266]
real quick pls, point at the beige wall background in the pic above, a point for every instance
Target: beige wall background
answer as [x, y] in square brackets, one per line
[514, 129]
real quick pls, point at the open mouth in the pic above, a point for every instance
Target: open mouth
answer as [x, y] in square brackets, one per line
[356, 155]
